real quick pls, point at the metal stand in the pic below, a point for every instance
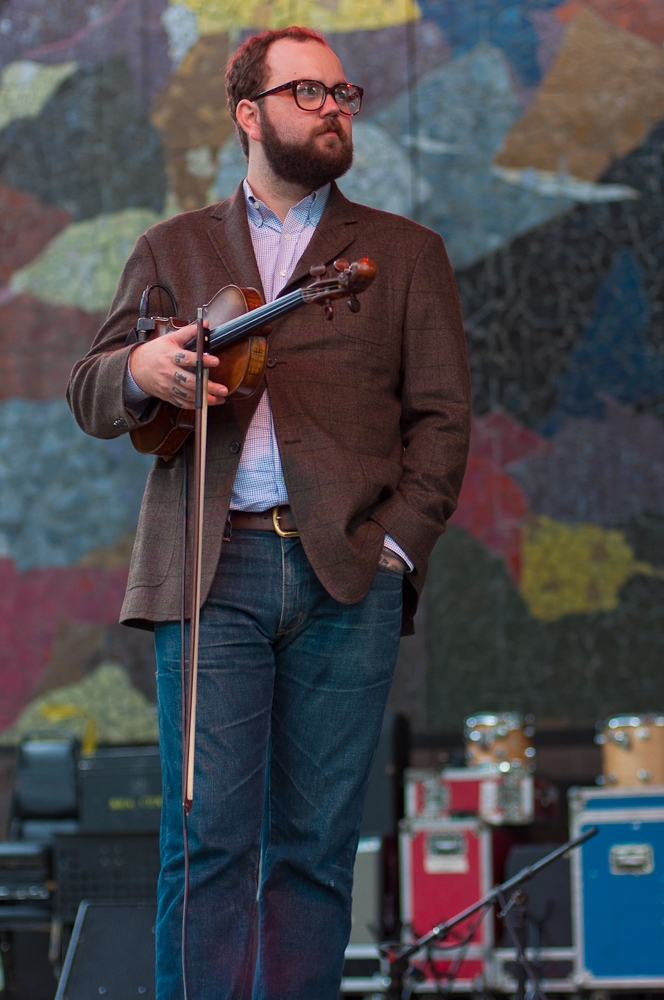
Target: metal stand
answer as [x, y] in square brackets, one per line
[399, 956]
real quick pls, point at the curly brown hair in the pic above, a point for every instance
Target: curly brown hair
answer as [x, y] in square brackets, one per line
[246, 73]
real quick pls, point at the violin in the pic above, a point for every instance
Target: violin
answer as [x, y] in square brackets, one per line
[239, 324]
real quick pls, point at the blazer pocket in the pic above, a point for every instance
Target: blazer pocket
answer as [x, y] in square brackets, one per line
[159, 528]
[360, 326]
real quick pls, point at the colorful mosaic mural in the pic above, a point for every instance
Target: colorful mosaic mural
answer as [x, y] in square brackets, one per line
[530, 134]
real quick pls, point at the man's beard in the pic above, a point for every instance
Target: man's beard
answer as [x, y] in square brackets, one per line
[306, 164]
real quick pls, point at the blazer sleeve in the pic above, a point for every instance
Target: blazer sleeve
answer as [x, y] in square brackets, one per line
[435, 423]
[94, 392]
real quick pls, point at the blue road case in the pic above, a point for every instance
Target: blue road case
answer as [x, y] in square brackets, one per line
[618, 888]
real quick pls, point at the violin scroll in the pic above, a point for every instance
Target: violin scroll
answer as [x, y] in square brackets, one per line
[341, 280]
[363, 272]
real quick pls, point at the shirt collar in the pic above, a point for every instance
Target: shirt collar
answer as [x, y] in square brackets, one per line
[307, 212]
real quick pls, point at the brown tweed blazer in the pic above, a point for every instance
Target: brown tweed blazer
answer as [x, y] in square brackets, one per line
[371, 411]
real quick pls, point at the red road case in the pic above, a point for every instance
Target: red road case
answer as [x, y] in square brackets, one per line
[445, 867]
[496, 797]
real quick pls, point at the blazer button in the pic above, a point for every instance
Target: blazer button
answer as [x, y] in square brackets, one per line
[235, 447]
[271, 362]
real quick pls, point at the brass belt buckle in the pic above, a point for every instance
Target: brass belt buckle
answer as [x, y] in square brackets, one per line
[277, 527]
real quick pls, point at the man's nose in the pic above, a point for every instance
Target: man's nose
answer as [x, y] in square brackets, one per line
[330, 107]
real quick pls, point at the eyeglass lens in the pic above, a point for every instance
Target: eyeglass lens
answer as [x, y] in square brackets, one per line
[310, 96]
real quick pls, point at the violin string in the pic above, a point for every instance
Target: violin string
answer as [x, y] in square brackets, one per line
[237, 328]
[241, 326]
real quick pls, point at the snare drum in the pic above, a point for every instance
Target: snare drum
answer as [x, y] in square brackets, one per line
[501, 740]
[632, 750]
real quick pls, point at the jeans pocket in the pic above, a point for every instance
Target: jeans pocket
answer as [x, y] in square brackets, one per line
[392, 572]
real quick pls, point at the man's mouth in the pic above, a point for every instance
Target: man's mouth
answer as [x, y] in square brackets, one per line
[330, 130]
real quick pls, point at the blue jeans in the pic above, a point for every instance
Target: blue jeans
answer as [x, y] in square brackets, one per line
[291, 694]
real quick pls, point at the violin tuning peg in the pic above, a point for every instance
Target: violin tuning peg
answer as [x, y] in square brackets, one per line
[354, 304]
[341, 264]
[317, 270]
[329, 309]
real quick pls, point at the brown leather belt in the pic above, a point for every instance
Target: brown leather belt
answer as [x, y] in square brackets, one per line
[279, 519]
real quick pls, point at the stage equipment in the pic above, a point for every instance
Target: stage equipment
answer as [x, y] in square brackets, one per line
[111, 953]
[120, 789]
[367, 913]
[632, 750]
[501, 739]
[112, 867]
[497, 797]
[618, 888]
[404, 973]
[547, 925]
[362, 965]
[25, 970]
[45, 781]
[375, 879]
[445, 865]
[25, 920]
[25, 871]
[549, 911]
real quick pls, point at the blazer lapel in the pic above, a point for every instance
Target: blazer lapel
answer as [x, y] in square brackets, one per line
[231, 239]
[334, 234]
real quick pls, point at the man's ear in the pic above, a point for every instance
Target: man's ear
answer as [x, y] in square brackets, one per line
[248, 118]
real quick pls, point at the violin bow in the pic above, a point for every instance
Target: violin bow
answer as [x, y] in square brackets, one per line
[200, 454]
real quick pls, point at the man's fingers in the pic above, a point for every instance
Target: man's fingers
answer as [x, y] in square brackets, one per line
[183, 335]
[187, 359]
[180, 338]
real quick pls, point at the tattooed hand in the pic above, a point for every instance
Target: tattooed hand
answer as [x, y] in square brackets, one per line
[162, 366]
[390, 560]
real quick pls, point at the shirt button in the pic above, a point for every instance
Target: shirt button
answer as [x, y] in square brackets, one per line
[287, 236]
[282, 273]
[235, 447]
[271, 362]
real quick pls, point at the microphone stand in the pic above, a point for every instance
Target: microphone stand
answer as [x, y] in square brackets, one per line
[399, 956]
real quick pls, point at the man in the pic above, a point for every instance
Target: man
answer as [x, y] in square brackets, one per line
[360, 439]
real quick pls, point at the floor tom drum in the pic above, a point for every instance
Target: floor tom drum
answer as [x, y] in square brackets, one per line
[632, 750]
[502, 740]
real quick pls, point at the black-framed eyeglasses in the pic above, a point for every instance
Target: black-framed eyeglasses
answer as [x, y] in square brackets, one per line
[310, 95]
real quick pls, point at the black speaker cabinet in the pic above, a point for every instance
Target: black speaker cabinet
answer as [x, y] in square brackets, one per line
[120, 789]
[549, 912]
[45, 779]
[112, 868]
[111, 954]
[26, 970]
